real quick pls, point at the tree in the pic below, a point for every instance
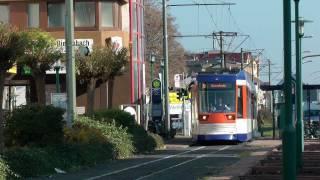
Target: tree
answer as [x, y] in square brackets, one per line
[103, 64]
[154, 40]
[11, 47]
[41, 54]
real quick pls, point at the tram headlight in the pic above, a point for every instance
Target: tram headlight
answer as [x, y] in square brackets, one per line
[203, 117]
[231, 117]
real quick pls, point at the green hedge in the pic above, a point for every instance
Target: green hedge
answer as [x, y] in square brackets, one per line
[116, 135]
[89, 142]
[34, 125]
[142, 140]
[32, 162]
[120, 117]
[113, 143]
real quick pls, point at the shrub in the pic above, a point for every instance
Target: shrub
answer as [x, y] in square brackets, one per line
[34, 161]
[116, 135]
[142, 140]
[34, 125]
[158, 139]
[120, 117]
[83, 135]
[5, 171]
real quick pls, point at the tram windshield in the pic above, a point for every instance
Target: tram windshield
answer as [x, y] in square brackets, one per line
[217, 97]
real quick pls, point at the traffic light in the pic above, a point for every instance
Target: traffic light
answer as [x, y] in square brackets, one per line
[182, 93]
[179, 94]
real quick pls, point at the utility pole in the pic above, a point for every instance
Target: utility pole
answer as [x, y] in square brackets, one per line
[242, 59]
[71, 83]
[166, 68]
[221, 35]
[223, 65]
[213, 47]
[289, 131]
[269, 73]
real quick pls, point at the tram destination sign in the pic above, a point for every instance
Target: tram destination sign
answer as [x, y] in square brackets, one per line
[217, 85]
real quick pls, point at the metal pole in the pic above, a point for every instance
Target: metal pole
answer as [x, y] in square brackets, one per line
[9, 97]
[151, 76]
[221, 51]
[252, 106]
[213, 41]
[269, 74]
[71, 83]
[300, 138]
[289, 139]
[166, 68]
[57, 79]
[242, 59]
[273, 118]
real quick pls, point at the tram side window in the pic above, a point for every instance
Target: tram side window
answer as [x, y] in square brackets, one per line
[240, 102]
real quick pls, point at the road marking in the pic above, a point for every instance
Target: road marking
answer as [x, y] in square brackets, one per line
[185, 162]
[143, 164]
[189, 156]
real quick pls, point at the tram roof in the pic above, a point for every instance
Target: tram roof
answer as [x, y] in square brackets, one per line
[222, 77]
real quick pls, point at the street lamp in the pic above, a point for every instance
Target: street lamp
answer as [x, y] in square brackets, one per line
[152, 60]
[299, 28]
[57, 68]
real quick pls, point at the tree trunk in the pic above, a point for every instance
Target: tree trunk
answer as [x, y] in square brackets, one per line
[2, 80]
[110, 92]
[40, 80]
[91, 86]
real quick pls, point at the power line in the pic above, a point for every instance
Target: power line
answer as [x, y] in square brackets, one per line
[212, 19]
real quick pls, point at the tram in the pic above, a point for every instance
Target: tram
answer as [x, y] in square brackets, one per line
[223, 107]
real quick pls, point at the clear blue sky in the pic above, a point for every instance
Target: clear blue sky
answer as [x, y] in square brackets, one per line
[261, 19]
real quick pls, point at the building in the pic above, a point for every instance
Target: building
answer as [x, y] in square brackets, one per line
[209, 60]
[98, 21]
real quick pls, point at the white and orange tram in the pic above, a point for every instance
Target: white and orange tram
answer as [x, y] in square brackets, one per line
[223, 107]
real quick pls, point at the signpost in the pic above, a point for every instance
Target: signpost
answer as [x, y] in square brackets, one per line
[156, 99]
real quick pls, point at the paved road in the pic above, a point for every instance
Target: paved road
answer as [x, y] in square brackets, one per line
[176, 162]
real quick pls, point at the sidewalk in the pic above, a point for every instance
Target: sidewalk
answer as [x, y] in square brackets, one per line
[254, 152]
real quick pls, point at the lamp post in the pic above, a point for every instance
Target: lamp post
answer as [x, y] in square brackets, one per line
[166, 68]
[289, 139]
[57, 68]
[299, 34]
[152, 59]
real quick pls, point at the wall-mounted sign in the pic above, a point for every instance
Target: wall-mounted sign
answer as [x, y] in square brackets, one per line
[116, 42]
[61, 44]
[59, 100]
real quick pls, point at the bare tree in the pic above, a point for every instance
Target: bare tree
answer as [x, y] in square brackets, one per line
[154, 40]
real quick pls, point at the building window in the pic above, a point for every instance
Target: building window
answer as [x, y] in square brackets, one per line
[85, 14]
[56, 14]
[33, 15]
[107, 14]
[4, 13]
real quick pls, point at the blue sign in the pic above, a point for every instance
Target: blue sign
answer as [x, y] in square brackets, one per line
[156, 91]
